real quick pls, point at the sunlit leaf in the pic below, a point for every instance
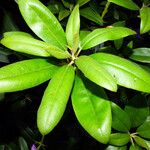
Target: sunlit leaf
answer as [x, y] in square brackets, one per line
[145, 18]
[25, 74]
[72, 29]
[55, 99]
[102, 35]
[96, 73]
[92, 111]
[122, 70]
[43, 23]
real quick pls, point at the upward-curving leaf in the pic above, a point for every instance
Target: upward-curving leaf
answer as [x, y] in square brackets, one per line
[126, 73]
[25, 74]
[82, 2]
[92, 111]
[55, 99]
[72, 29]
[99, 36]
[42, 22]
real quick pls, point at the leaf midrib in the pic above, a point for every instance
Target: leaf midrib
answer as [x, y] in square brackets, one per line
[32, 7]
[45, 68]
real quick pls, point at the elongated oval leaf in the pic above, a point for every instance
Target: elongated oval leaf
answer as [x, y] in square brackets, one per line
[25, 74]
[92, 111]
[129, 4]
[25, 44]
[145, 18]
[144, 129]
[119, 139]
[120, 119]
[126, 73]
[92, 15]
[141, 142]
[141, 55]
[42, 22]
[72, 29]
[137, 109]
[96, 73]
[55, 99]
[99, 36]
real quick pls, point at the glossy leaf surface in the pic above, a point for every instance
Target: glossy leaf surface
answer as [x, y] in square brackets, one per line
[141, 55]
[125, 3]
[72, 29]
[42, 22]
[137, 109]
[144, 129]
[96, 73]
[55, 99]
[120, 119]
[145, 18]
[122, 70]
[92, 15]
[26, 44]
[92, 111]
[25, 74]
[119, 139]
[141, 142]
[99, 36]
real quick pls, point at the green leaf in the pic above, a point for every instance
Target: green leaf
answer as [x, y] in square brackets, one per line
[102, 35]
[23, 144]
[58, 53]
[145, 18]
[120, 119]
[119, 139]
[2, 147]
[122, 70]
[110, 147]
[96, 73]
[135, 147]
[141, 55]
[82, 2]
[25, 74]
[55, 99]
[42, 22]
[137, 110]
[25, 44]
[141, 142]
[63, 14]
[92, 15]
[92, 111]
[72, 29]
[83, 34]
[129, 4]
[144, 129]
[7, 34]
